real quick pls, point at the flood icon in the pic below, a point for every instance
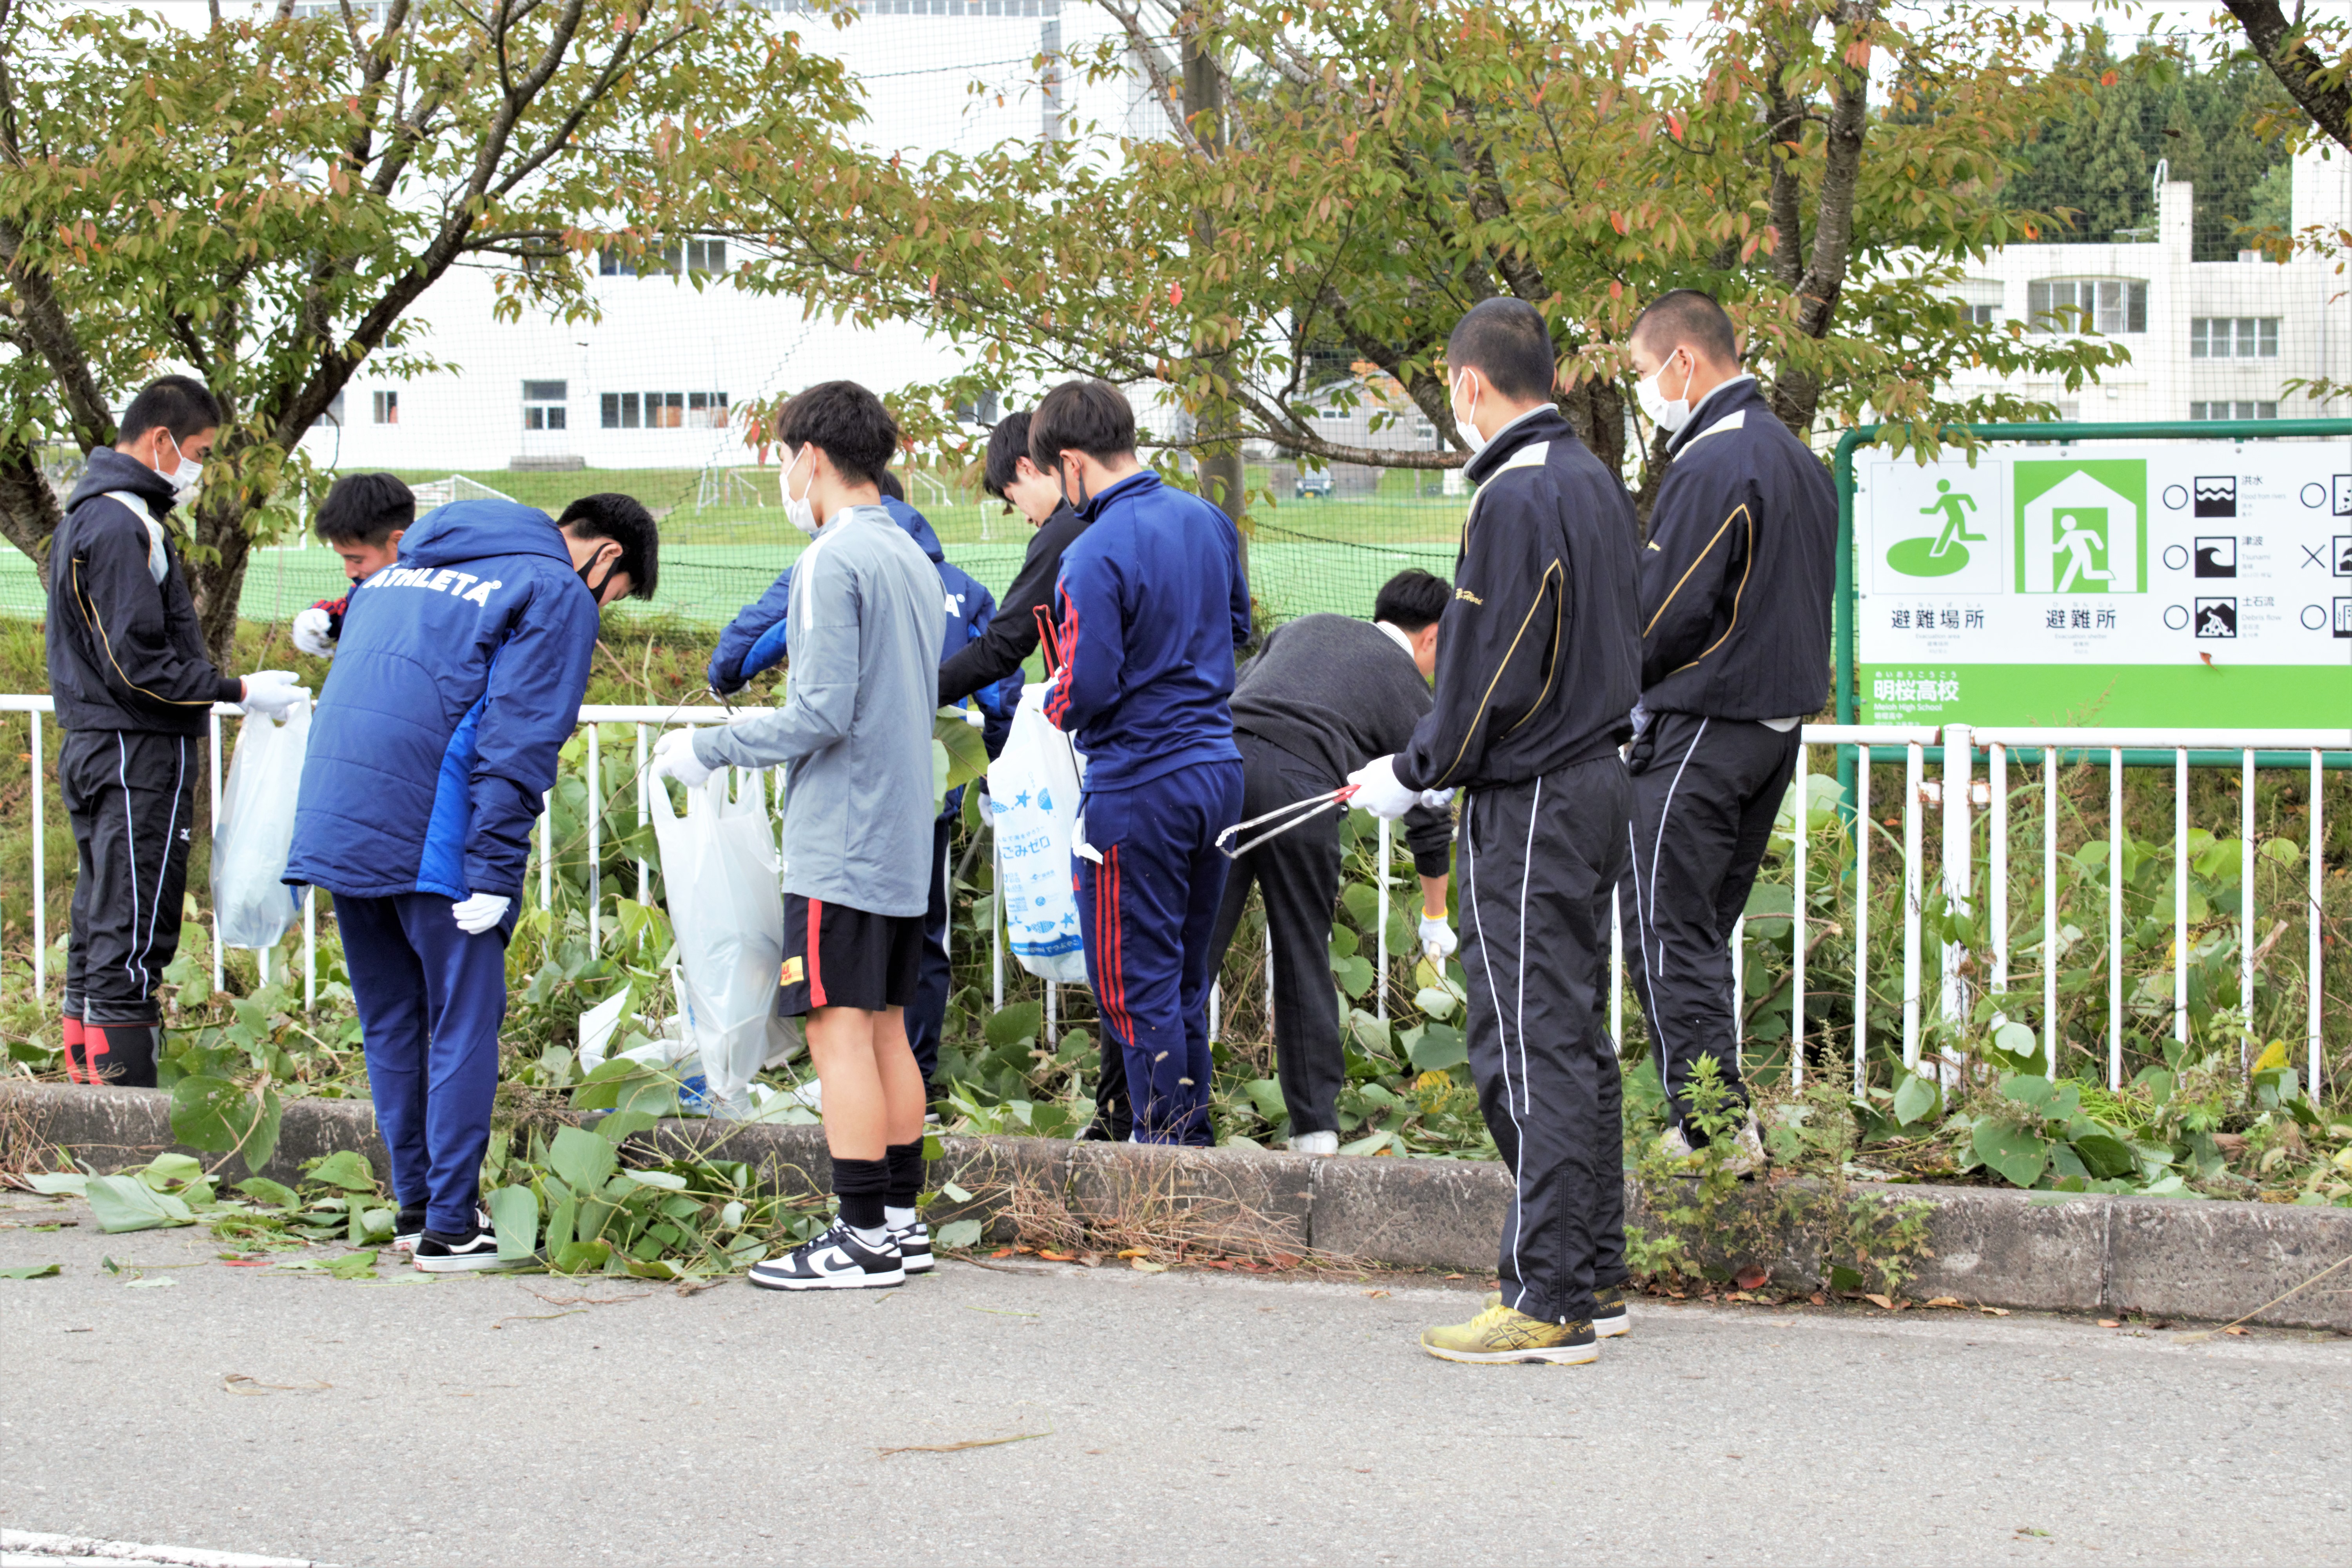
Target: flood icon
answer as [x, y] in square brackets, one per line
[2217, 495]
[1947, 553]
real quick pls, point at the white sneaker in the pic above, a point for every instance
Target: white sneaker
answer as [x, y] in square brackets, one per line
[1324, 1143]
[1746, 1159]
[1673, 1145]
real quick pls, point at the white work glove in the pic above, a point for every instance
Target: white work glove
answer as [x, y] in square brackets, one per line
[313, 634]
[1437, 940]
[1437, 799]
[1377, 792]
[272, 692]
[674, 758]
[481, 912]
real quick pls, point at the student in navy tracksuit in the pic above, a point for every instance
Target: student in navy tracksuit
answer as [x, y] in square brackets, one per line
[1150, 607]
[458, 678]
[754, 640]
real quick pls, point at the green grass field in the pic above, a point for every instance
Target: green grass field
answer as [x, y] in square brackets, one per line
[1305, 556]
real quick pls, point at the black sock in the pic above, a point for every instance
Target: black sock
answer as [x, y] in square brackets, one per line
[906, 1163]
[860, 1185]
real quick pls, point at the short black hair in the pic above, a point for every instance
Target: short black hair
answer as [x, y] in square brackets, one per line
[1505, 340]
[180, 404]
[887, 483]
[1089, 416]
[1411, 599]
[844, 421]
[365, 509]
[1008, 443]
[624, 520]
[1689, 317]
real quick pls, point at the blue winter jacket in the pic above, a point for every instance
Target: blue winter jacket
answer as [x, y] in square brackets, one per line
[1150, 607]
[458, 680]
[754, 640]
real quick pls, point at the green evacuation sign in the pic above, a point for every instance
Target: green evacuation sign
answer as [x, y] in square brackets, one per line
[2192, 585]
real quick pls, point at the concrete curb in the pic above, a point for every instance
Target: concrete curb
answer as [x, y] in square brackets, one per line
[2161, 1256]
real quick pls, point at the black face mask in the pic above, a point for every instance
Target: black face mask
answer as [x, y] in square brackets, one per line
[1078, 505]
[596, 589]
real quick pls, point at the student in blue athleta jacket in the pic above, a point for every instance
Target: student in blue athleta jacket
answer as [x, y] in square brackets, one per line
[458, 678]
[1151, 605]
[754, 640]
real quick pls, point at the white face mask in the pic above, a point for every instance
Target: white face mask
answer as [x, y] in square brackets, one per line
[1462, 418]
[186, 477]
[1668, 414]
[799, 509]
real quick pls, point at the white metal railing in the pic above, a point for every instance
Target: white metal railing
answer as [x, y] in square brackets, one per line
[1954, 794]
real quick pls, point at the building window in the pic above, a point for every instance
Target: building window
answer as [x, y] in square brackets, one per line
[663, 410]
[387, 407]
[2232, 410]
[2108, 306]
[1984, 315]
[706, 255]
[332, 418]
[543, 405]
[2233, 337]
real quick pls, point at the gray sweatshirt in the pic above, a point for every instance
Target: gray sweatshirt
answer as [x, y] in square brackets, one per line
[855, 728]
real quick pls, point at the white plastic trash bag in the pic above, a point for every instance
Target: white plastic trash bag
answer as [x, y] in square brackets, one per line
[1033, 803]
[255, 832]
[727, 911]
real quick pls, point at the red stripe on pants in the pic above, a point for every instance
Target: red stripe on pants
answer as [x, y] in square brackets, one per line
[815, 975]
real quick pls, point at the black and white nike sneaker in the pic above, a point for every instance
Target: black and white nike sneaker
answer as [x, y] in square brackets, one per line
[835, 1260]
[914, 1245]
[410, 1225]
[439, 1254]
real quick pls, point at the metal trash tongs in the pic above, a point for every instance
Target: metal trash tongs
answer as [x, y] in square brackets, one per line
[1298, 811]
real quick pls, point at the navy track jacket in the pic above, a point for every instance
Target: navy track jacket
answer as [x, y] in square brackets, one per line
[1740, 568]
[458, 680]
[1151, 605]
[1539, 651]
[125, 648]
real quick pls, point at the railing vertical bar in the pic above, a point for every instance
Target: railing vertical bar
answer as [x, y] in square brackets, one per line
[2049, 910]
[1997, 870]
[595, 848]
[645, 814]
[547, 850]
[1052, 998]
[213, 726]
[1959, 864]
[2311, 962]
[1861, 917]
[1216, 1004]
[995, 926]
[1913, 761]
[40, 868]
[2114, 917]
[1740, 993]
[2246, 908]
[2180, 893]
[310, 949]
[1381, 988]
[1796, 928]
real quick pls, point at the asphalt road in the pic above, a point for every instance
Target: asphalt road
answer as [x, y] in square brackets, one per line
[1176, 1418]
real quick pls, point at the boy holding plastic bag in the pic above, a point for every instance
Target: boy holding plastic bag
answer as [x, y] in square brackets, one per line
[854, 733]
[458, 678]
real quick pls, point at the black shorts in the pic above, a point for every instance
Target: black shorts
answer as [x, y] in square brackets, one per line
[835, 956]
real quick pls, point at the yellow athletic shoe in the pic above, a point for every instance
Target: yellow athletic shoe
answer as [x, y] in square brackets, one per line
[1500, 1333]
[1609, 1318]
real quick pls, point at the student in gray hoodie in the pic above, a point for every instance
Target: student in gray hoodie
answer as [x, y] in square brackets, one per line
[854, 733]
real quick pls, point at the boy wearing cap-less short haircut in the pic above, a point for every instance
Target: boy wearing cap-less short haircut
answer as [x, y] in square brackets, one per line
[361, 520]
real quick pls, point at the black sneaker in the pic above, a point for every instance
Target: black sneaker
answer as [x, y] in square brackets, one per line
[835, 1260]
[914, 1245]
[1609, 1315]
[411, 1225]
[439, 1254]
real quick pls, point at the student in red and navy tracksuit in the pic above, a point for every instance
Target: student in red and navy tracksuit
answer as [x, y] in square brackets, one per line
[1149, 607]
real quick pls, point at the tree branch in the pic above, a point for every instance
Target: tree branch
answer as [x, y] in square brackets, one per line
[2303, 73]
